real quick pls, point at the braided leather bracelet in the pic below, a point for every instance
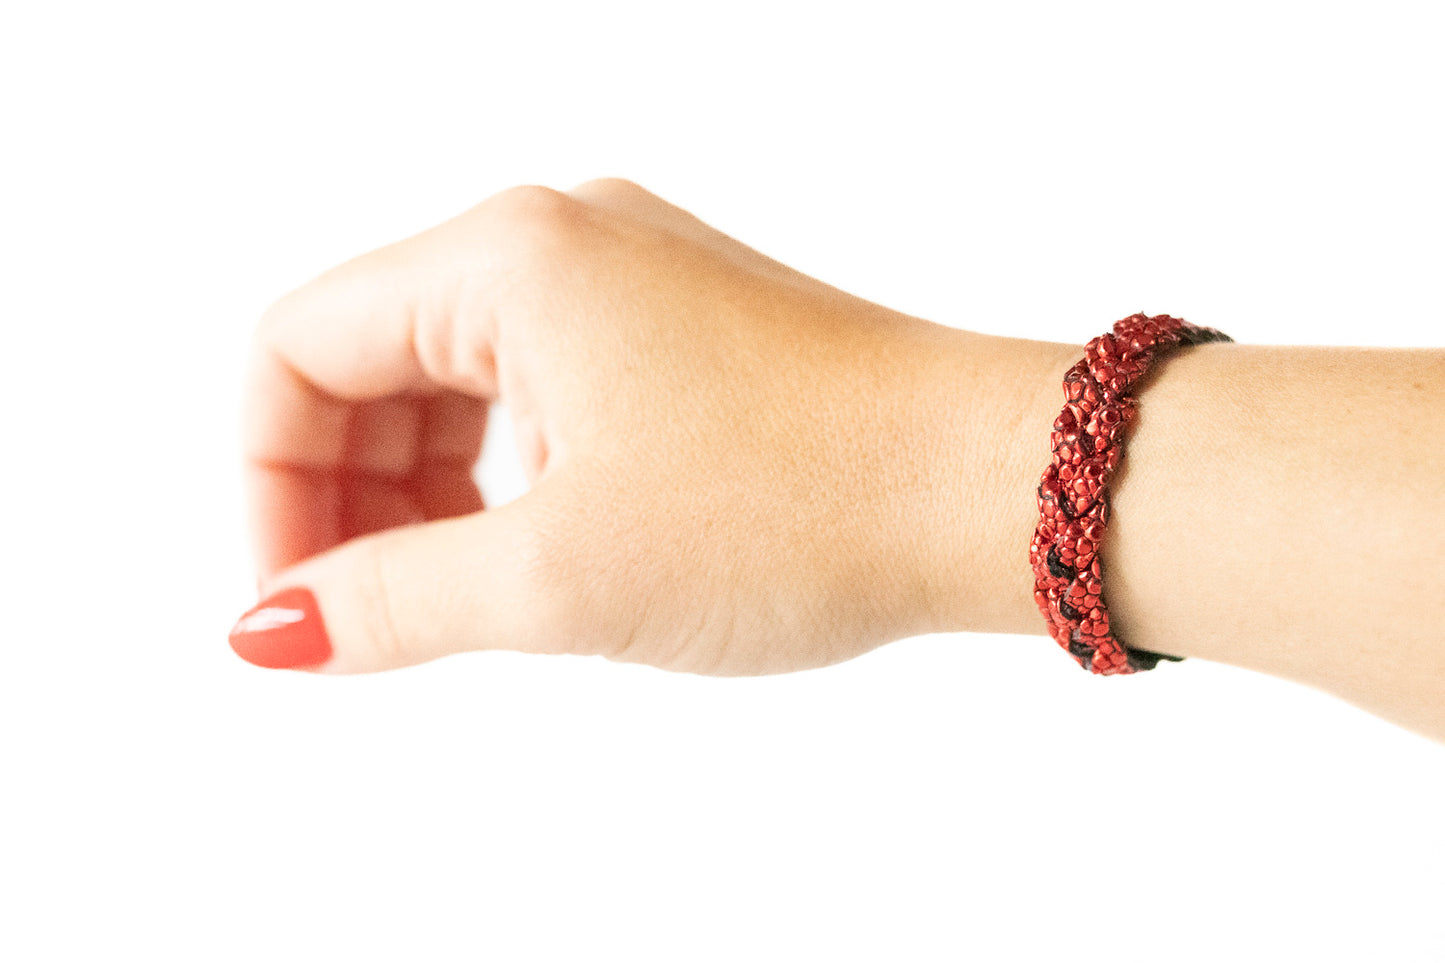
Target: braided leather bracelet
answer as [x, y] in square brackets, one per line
[1088, 445]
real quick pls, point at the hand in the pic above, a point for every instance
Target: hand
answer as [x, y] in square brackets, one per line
[738, 469]
[730, 470]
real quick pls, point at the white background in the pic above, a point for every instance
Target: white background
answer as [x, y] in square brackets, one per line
[169, 169]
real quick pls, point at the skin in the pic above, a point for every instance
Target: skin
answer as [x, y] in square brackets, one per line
[738, 469]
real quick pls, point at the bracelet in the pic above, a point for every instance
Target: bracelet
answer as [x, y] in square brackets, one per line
[1088, 445]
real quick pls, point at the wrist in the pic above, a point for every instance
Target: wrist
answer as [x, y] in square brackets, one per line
[985, 408]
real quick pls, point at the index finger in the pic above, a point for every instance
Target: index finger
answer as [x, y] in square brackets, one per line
[344, 382]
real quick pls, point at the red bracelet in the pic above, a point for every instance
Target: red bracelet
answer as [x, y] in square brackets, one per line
[1088, 444]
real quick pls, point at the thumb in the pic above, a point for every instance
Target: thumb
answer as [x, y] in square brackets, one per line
[401, 596]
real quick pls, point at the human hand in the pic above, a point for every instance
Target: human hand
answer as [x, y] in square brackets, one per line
[735, 467]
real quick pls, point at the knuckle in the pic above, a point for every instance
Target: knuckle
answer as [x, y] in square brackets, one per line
[613, 188]
[533, 227]
[532, 207]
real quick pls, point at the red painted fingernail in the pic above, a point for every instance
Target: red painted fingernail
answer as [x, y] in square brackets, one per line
[283, 631]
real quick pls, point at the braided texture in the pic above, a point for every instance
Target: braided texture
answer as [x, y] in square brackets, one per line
[1088, 446]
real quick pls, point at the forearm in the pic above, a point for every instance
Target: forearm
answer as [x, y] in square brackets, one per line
[1278, 510]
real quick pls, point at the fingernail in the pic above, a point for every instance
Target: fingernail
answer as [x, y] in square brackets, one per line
[283, 631]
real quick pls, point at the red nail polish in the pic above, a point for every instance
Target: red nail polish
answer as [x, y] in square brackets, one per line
[283, 631]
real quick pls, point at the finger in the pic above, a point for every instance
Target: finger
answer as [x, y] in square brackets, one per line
[410, 460]
[452, 432]
[295, 441]
[403, 596]
[372, 466]
[376, 466]
[425, 310]
[412, 319]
